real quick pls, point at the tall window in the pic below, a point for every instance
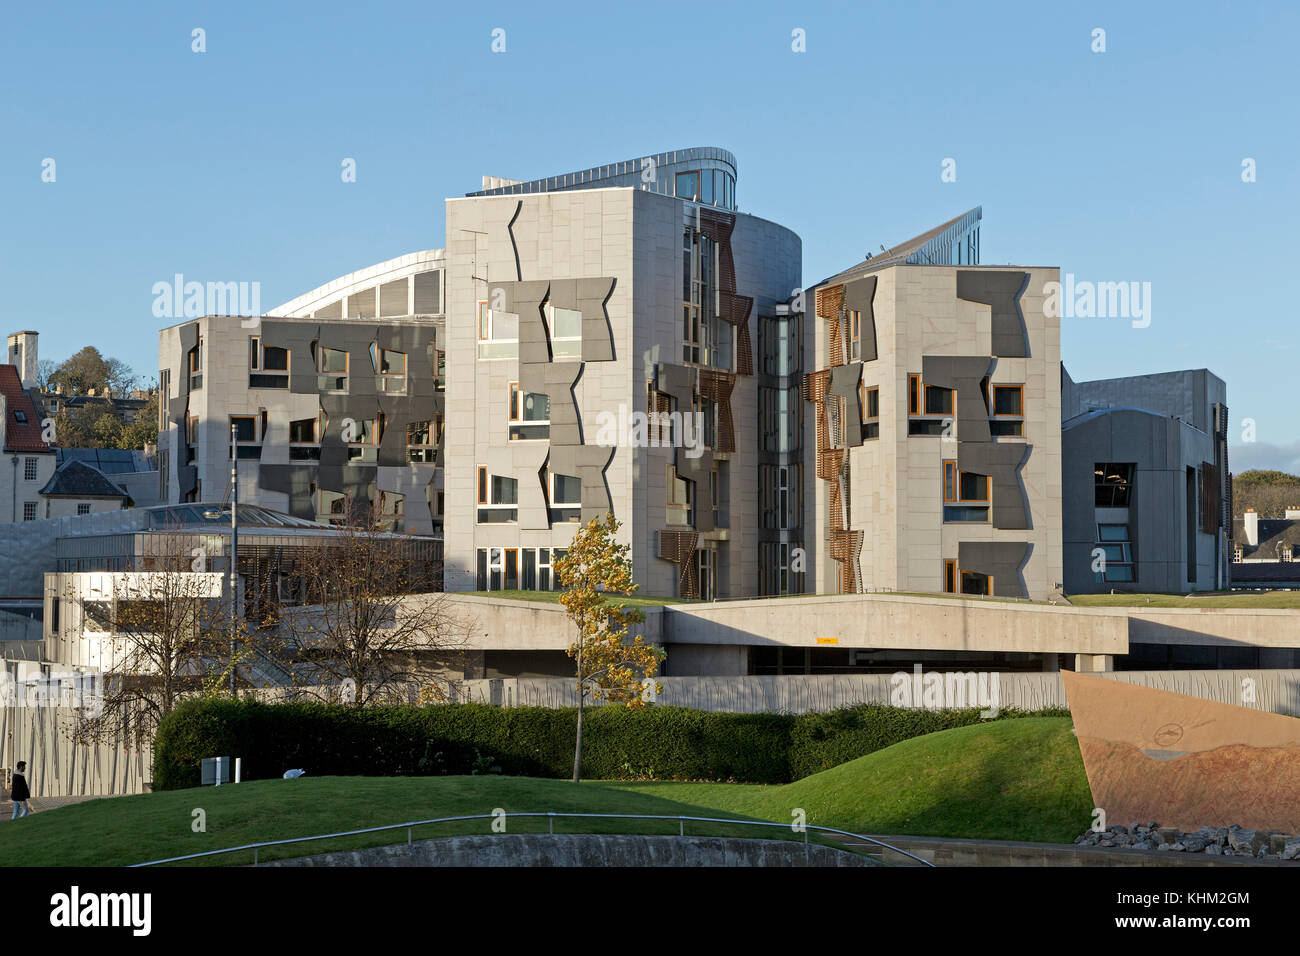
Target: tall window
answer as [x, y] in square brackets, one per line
[29, 510]
[332, 369]
[566, 497]
[679, 510]
[1116, 552]
[688, 186]
[390, 370]
[565, 326]
[244, 428]
[363, 437]
[870, 401]
[700, 330]
[966, 495]
[304, 439]
[924, 401]
[498, 333]
[1008, 410]
[498, 498]
[530, 414]
[196, 365]
[422, 440]
[29, 469]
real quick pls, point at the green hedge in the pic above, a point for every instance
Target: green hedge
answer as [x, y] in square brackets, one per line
[670, 743]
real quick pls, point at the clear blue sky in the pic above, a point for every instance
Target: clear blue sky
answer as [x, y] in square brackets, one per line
[224, 166]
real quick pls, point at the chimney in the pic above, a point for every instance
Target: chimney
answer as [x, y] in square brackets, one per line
[1250, 521]
[23, 356]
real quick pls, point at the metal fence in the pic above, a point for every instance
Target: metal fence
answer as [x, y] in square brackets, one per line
[550, 815]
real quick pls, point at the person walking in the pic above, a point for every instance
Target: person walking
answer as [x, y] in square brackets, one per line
[20, 794]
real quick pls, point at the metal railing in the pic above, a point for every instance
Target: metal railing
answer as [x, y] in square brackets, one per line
[550, 815]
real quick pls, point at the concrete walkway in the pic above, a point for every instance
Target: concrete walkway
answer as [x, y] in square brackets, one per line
[40, 804]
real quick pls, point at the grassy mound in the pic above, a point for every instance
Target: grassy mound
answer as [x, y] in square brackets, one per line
[1010, 780]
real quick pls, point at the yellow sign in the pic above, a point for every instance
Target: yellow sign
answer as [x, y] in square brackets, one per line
[828, 640]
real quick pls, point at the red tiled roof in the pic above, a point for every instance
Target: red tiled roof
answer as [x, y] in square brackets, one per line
[19, 436]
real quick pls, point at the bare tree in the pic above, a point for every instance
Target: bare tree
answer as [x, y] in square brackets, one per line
[371, 627]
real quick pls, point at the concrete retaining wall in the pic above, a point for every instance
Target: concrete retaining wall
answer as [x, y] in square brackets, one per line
[508, 849]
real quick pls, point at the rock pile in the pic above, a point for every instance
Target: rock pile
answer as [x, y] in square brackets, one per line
[1212, 841]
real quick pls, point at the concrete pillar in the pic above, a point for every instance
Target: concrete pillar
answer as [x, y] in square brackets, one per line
[1094, 663]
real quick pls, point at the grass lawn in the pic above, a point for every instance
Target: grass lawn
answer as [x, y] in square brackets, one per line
[1017, 779]
[1264, 600]
[553, 597]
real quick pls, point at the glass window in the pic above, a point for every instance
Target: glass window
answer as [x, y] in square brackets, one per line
[498, 498]
[275, 359]
[1113, 484]
[390, 369]
[688, 186]
[1008, 400]
[302, 431]
[498, 333]
[421, 442]
[332, 366]
[566, 334]
[245, 427]
[1112, 532]
[938, 401]
[974, 487]
[679, 499]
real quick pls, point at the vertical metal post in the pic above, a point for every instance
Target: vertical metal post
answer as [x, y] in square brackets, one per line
[805, 846]
[408, 836]
[254, 856]
[681, 827]
[550, 823]
[239, 764]
[234, 548]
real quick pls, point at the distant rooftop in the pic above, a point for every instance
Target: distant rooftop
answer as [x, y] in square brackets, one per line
[76, 479]
[22, 426]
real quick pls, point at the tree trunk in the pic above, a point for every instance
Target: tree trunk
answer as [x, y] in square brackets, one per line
[577, 744]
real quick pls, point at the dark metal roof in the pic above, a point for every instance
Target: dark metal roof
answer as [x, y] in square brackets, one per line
[110, 461]
[76, 479]
[1275, 535]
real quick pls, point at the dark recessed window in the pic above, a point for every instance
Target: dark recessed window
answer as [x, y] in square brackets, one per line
[1114, 484]
[938, 401]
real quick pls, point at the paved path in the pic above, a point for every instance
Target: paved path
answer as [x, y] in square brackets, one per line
[44, 803]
